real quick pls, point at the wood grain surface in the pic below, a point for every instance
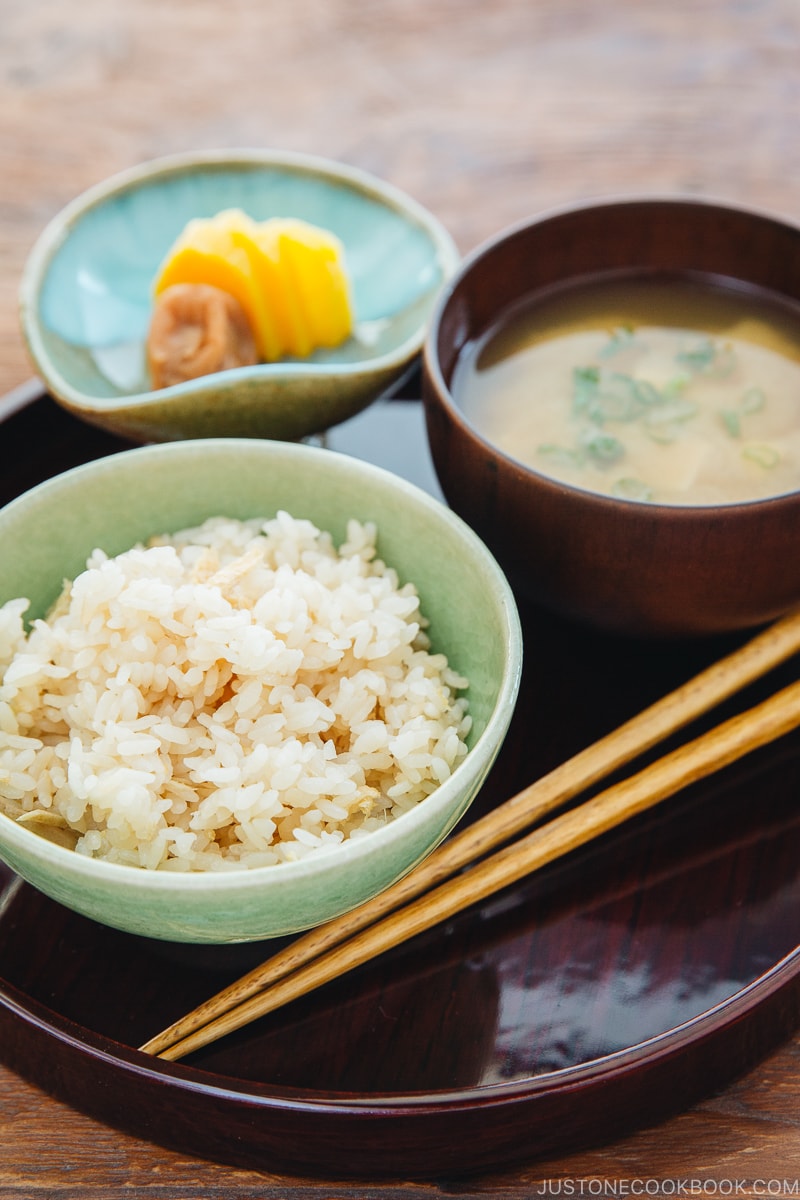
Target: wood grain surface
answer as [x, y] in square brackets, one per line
[486, 113]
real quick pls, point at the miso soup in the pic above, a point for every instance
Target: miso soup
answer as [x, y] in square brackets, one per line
[664, 390]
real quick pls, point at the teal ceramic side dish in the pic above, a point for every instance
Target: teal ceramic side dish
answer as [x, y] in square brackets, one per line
[86, 295]
[46, 536]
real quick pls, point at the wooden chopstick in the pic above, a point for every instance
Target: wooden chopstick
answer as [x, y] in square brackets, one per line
[715, 749]
[261, 991]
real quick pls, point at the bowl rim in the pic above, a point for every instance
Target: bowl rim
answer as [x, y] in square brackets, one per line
[57, 231]
[432, 367]
[479, 756]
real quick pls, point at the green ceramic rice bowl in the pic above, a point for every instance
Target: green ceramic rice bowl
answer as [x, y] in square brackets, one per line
[47, 535]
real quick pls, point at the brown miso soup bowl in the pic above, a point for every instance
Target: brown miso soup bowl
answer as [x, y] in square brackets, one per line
[625, 566]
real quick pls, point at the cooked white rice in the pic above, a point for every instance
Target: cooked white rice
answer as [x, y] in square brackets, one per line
[235, 695]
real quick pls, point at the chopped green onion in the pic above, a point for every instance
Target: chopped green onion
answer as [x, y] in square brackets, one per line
[765, 456]
[607, 395]
[673, 387]
[631, 489]
[662, 432]
[621, 339]
[602, 447]
[647, 393]
[704, 357]
[732, 422]
[752, 401]
[561, 455]
[585, 381]
[699, 356]
[616, 399]
[611, 396]
[663, 424]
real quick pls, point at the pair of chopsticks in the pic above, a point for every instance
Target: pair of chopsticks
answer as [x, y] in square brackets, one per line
[433, 892]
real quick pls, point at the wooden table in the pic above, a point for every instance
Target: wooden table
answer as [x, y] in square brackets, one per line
[486, 114]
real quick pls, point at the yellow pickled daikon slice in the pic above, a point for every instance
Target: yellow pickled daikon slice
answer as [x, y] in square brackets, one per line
[313, 264]
[280, 292]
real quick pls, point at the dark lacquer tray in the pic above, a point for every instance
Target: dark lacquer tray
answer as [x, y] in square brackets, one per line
[609, 990]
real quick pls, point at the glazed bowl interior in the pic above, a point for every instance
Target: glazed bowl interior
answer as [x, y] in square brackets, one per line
[46, 536]
[86, 295]
[644, 569]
